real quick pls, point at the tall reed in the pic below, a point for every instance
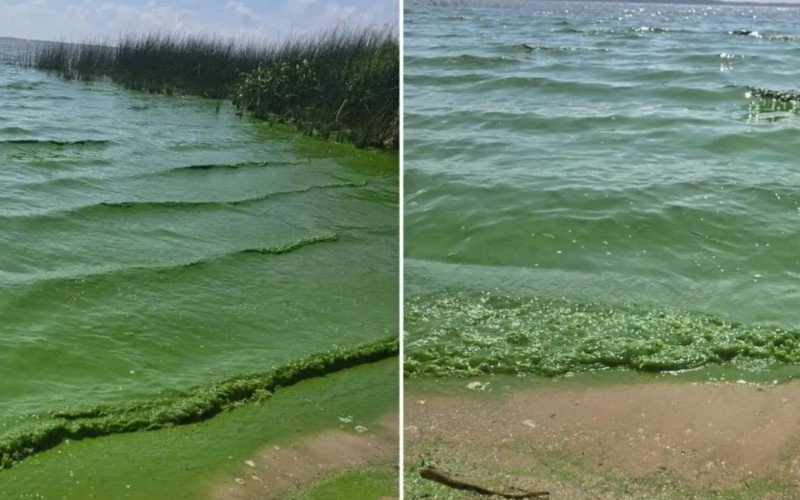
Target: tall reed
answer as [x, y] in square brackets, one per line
[339, 83]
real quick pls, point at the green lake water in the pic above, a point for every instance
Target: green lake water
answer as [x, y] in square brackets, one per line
[152, 243]
[190, 461]
[591, 186]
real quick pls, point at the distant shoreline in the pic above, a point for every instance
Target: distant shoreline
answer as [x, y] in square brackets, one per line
[694, 2]
[658, 2]
[338, 84]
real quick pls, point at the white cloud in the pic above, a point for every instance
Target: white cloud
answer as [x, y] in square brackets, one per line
[239, 10]
[337, 13]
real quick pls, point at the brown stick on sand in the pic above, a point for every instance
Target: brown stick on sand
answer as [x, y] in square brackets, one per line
[444, 478]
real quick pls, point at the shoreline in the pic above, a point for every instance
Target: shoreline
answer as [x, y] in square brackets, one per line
[185, 461]
[277, 471]
[196, 405]
[652, 440]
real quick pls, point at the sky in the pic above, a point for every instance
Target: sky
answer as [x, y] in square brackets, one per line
[81, 20]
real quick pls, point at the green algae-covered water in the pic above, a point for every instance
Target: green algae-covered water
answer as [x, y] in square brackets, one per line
[191, 461]
[593, 186]
[152, 244]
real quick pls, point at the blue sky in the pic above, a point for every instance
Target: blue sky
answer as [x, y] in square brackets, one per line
[75, 20]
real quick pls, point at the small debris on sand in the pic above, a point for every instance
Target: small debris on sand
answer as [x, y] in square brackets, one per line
[435, 474]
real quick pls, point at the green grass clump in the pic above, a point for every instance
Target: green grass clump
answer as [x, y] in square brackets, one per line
[342, 84]
[196, 405]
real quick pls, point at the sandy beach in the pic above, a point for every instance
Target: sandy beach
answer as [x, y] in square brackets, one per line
[280, 471]
[654, 440]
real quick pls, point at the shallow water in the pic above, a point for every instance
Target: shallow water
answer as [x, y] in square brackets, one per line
[153, 243]
[191, 461]
[618, 160]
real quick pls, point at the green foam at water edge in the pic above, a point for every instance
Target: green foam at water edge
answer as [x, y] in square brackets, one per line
[459, 336]
[193, 406]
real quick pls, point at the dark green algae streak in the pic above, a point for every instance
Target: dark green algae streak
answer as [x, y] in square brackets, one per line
[193, 406]
[460, 335]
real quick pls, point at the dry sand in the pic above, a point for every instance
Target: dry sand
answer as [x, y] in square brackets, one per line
[658, 440]
[277, 471]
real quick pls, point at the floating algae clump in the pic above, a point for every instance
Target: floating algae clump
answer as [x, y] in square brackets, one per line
[193, 406]
[775, 100]
[235, 166]
[776, 95]
[281, 249]
[46, 142]
[458, 335]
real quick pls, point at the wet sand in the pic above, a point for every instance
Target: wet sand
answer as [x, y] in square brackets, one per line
[655, 440]
[278, 471]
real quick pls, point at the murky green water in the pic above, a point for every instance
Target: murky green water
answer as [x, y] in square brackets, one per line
[191, 461]
[618, 162]
[150, 243]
